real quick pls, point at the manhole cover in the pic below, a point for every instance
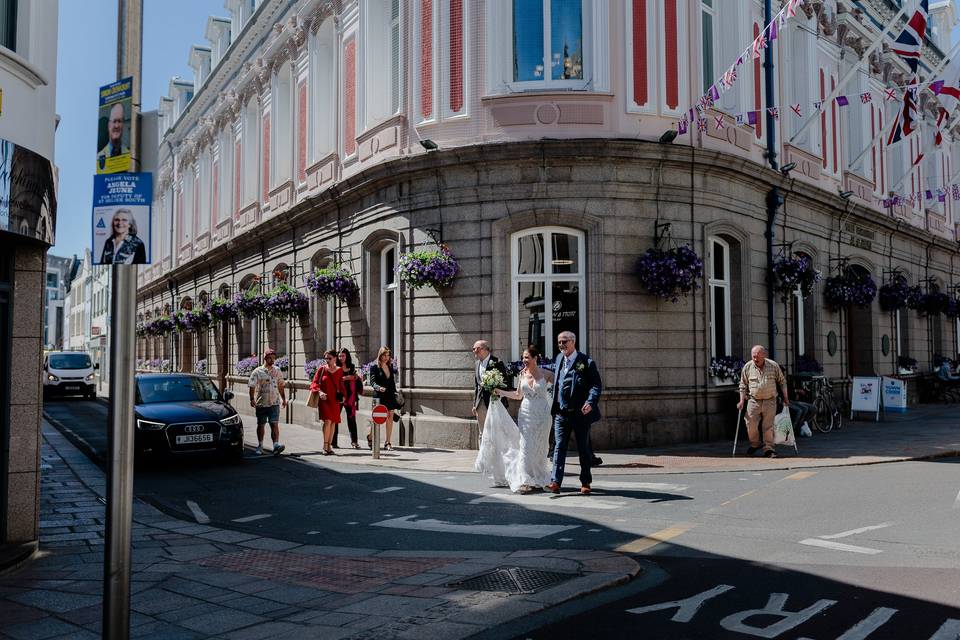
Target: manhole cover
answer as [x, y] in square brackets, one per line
[512, 580]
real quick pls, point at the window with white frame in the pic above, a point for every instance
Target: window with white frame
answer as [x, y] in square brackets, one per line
[548, 41]
[324, 336]
[548, 293]
[381, 60]
[901, 326]
[389, 294]
[225, 177]
[204, 179]
[708, 43]
[803, 323]
[802, 86]
[281, 138]
[721, 323]
[454, 34]
[323, 85]
[251, 152]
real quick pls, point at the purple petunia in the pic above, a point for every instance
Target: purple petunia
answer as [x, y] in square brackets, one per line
[285, 302]
[334, 281]
[670, 273]
[222, 310]
[898, 294]
[849, 289]
[431, 268]
[726, 367]
[792, 272]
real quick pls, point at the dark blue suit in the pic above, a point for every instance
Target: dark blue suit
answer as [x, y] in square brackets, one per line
[578, 385]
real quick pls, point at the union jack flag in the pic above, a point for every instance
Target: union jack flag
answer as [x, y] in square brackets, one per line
[701, 125]
[910, 40]
[889, 94]
[796, 109]
[866, 97]
[720, 124]
[774, 112]
[955, 191]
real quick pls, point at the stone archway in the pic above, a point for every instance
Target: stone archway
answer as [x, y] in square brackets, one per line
[859, 331]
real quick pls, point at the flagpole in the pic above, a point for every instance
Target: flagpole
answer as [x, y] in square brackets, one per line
[946, 60]
[854, 69]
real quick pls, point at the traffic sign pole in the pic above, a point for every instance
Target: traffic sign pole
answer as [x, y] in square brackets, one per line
[378, 416]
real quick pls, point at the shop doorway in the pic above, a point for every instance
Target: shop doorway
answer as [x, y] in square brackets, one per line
[860, 334]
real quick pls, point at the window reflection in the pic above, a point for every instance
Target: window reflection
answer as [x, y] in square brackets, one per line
[531, 315]
[565, 253]
[530, 254]
[527, 40]
[566, 39]
[566, 307]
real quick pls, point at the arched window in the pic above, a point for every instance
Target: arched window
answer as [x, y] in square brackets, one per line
[278, 328]
[548, 272]
[324, 336]
[248, 329]
[186, 338]
[725, 293]
[803, 322]
[389, 295]
[721, 324]
[202, 342]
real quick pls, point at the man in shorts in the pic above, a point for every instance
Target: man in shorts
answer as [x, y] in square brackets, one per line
[266, 397]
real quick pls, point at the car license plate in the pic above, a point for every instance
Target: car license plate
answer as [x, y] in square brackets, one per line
[194, 438]
[72, 387]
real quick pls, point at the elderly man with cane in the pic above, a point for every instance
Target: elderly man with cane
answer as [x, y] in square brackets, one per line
[758, 382]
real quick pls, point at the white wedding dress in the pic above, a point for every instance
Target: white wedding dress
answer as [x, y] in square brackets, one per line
[515, 453]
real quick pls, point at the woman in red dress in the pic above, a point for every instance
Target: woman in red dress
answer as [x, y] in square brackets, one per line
[328, 380]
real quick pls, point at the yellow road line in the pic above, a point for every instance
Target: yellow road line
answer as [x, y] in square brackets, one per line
[648, 542]
[742, 495]
[801, 475]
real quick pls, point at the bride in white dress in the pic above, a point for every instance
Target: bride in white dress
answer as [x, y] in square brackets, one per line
[512, 453]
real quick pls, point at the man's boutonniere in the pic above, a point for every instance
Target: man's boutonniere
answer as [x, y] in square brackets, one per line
[580, 367]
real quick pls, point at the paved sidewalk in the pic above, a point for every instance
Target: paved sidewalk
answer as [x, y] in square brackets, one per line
[197, 581]
[928, 431]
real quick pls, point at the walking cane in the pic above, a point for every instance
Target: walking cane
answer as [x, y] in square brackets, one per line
[736, 432]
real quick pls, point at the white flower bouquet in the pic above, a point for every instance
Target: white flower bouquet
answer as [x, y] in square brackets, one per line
[492, 379]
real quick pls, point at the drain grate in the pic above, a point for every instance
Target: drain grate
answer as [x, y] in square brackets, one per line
[512, 580]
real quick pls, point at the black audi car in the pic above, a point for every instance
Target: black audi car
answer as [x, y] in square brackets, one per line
[185, 414]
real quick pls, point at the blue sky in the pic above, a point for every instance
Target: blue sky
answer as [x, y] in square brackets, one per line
[86, 60]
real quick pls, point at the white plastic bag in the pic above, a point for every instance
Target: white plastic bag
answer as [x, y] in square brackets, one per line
[805, 431]
[783, 428]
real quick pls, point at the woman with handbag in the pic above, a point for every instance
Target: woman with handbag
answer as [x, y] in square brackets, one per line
[328, 383]
[353, 385]
[385, 389]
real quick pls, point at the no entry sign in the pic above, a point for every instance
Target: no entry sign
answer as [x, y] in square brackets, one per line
[379, 414]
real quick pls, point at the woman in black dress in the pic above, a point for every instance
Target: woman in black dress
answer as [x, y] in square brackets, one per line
[385, 389]
[353, 385]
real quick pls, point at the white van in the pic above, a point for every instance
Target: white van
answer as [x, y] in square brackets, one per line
[69, 373]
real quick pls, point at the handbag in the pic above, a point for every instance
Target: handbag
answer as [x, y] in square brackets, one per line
[313, 400]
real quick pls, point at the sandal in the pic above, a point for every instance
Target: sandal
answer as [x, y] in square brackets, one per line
[387, 446]
[369, 441]
[355, 445]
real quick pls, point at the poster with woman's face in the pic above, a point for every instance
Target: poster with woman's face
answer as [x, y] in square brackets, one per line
[117, 235]
[121, 218]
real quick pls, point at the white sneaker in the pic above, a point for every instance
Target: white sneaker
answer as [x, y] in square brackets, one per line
[258, 451]
[278, 448]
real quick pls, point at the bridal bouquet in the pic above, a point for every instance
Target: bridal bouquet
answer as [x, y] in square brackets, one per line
[492, 379]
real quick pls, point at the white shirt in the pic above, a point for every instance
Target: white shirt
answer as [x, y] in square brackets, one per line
[567, 363]
[482, 366]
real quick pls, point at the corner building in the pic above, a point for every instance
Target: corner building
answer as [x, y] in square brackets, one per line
[302, 142]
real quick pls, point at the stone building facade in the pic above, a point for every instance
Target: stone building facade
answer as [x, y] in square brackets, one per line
[351, 133]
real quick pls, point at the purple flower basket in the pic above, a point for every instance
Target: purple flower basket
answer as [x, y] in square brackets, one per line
[250, 304]
[246, 366]
[849, 289]
[670, 274]
[285, 302]
[222, 310]
[726, 368]
[432, 268]
[310, 367]
[791, 272]
[334, 281]
[897, 294]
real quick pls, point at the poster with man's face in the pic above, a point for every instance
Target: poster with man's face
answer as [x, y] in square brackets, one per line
[113, 131]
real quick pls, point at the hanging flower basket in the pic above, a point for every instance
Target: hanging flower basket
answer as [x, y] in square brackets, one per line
[196, 321]
[284, 302]
[897, 294]
[222, 310]
[670, 274]
[933, 303]
[162, 326]
[246, 366]
[792, 272]
[250, 304]
[333, 281]
[310, 367]
[201, 367]
[726, 368]
[141, 329]
[849, 289]
[952, 310]
[430, 268]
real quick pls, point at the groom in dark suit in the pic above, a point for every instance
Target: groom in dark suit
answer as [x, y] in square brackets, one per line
[486, 361]
[576, 397]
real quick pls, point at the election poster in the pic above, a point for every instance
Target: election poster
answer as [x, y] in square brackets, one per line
[121, 218]
[113, 127]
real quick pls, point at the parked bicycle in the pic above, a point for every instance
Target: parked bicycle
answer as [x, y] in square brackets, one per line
[828, 413]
